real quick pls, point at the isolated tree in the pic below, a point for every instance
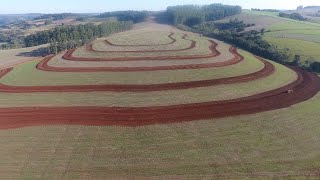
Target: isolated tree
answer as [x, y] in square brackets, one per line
[262, 31]
[296, 61]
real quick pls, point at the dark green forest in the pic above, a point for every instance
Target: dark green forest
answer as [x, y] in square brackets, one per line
[134, 16]
[191, 15]
[67, 37]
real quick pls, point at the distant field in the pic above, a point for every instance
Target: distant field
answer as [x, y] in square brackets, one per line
[301, 38]
[308, 50]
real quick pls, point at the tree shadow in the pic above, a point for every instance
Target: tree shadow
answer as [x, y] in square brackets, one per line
[37, 52]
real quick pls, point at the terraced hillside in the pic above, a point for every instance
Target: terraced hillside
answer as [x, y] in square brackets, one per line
[156, 101]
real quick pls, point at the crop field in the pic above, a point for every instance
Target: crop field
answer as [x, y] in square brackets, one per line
[157, 102]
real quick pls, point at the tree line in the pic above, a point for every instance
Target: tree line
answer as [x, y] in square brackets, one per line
[134, 16]
[252, 41]
[54, 17]
[232, 32]
[192, 15]
[67, 37]
[295, 16]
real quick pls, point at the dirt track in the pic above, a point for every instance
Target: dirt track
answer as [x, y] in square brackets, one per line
[305, 87]
[69, 56]
[43, 65]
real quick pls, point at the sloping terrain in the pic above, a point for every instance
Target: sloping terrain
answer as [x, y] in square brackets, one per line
[156, 101]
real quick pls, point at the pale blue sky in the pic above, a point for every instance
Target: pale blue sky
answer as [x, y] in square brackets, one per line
[56, 6]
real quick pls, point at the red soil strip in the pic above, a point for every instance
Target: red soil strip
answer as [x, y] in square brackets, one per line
[173, 40]
[43, 65]
[68, 56]
[266, 71]
[305, 87]
[89, 47]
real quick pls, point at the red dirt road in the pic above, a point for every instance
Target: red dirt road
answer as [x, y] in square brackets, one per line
[43, 65]
[69, 56]
[304, 88]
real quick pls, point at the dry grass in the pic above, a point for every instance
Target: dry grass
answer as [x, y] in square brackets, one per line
[12, 57]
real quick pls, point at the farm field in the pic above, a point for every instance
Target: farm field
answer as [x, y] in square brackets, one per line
[298, 37]
[157, 102]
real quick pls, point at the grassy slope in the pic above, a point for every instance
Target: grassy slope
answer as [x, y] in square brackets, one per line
[277, 143]
[280, 78]
[306, 49]
[179, 44]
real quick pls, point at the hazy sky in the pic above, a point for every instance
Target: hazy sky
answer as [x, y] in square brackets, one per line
[54, 6]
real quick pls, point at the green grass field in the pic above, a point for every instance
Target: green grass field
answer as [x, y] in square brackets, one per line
[306, 49]
[179, 44]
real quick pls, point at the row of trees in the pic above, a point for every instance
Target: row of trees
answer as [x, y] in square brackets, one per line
[295, 16]
[192, 15]
[67, 37]
[54, 17]
[135, 16]
[265, 10]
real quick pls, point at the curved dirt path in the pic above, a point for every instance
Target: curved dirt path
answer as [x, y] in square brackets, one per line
[89, 47]
[44, 65]
[266, 71]
[69, 56]
[305, 87]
